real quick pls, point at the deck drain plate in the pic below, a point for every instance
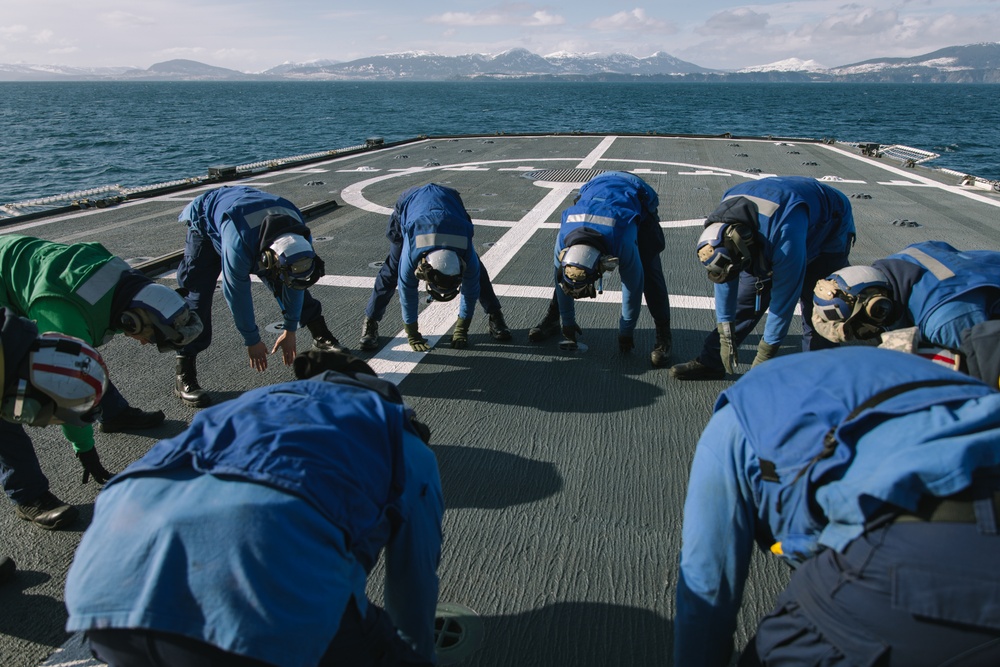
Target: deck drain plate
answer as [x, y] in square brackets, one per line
[563, 175]
[458, 632]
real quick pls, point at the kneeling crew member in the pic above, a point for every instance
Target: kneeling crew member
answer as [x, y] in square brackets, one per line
[879, 481]
[931, 288]
[248, 539]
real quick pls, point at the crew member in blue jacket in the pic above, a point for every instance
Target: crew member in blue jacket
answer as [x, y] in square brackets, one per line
[875, 474]
[614, 223]
[932, 286]
[765, 247]
[248, 539]
[430, 238]
[237, 231]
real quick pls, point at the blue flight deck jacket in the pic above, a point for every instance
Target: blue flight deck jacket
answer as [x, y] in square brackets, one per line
[798, 219]
[433, 217]
[231, 218]
[255, 528]
[943, 291]
[614, 204]
[756, 475]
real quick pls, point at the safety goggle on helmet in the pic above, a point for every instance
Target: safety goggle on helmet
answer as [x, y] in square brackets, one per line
[855, 303]
[292, 261]
[160, 315]
[725, 249]
[64, 382]
[581, 267]
[442, 270]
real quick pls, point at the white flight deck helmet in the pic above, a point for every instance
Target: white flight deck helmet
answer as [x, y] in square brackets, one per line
[159, 315]
[581, 266]
[292, 260]
[725, 249]
[442, 270]
[854, 303]
[62, 382]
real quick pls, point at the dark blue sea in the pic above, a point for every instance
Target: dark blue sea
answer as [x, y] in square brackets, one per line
[62, 137]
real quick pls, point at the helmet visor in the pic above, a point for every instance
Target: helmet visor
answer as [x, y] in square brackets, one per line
[580, 267]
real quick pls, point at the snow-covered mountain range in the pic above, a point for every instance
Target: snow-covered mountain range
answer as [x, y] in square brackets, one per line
[972, 63]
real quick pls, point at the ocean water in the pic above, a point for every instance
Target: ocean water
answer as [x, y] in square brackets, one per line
[62, 137]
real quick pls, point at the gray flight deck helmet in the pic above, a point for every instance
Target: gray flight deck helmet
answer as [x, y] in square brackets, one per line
[159, 315]
[725, 249]
[581, 267]
[854, 303]
[62, 381]
[292, 261]
[442, 270]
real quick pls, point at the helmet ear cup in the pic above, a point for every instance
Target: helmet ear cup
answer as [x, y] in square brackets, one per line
[735, 235]
[268, 260]
[131, 322]
[879, 308]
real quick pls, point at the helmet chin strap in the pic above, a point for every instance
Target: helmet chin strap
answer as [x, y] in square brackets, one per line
[21, 408]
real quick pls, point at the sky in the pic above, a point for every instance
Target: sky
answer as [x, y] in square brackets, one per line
[252, 35]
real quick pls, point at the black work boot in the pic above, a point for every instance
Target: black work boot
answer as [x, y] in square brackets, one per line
[186, 387]
[498, 328]
[369, 334]
[569, 337]
[549, 326]
[47, 511]
[695, 370]
[660, 356]
[322, 338]
[132, 419]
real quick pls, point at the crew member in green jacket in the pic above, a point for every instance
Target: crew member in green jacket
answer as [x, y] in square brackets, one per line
[84, 291]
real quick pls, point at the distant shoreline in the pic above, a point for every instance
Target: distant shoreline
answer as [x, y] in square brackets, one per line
[755, 78]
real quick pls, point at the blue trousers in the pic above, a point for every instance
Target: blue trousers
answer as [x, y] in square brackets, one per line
[748, 314]
[199, 273]
[388, 278]
[362, 642]
[20, 473]
[903, 595]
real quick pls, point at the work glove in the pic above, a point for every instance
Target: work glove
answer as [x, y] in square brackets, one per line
[625, 343]
[726, 349]
[569, 337]
[460, 337]
[901, 340]
[765, 351]
[314, 362]
[92, 467]
[417, 342]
